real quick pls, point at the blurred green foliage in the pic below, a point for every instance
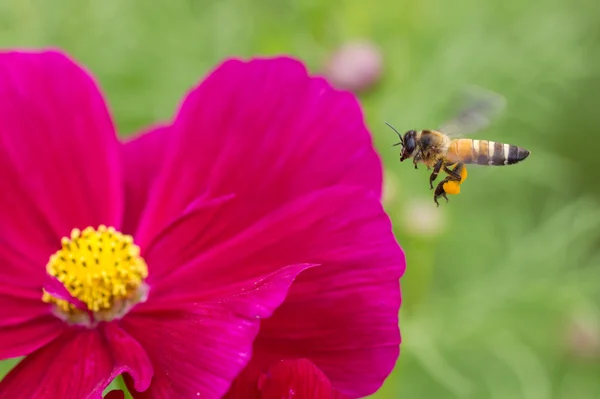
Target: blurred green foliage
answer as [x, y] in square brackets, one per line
[491, 292]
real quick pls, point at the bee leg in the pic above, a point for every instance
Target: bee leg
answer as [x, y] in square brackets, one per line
[417, 158]
[439, 191]
[436, 170]
[453, 173]
[457, 175]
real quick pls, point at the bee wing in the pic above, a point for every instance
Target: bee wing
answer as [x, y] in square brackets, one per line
[480, 107]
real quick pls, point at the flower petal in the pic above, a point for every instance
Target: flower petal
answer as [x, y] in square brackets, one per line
[188, 266]
[354, 340]
[18, 309]
[128, 357]
[198, 349]
[75, 365]
[343, 315]
[344, 318]
[26, 336]
[59, 160]
[26, 323]
[299, 376]
[142, 159]
[266, 132]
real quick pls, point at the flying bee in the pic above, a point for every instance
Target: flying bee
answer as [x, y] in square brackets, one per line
[442, 150]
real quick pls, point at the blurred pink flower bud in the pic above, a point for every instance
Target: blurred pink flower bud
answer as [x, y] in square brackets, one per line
[583, 338]
[355, 66]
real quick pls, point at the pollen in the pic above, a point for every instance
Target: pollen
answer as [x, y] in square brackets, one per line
[102, 268]
[453, 187]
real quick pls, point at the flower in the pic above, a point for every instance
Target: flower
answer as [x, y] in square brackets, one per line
[160, 257]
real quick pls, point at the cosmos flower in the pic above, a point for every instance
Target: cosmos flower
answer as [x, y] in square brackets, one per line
[159, 258]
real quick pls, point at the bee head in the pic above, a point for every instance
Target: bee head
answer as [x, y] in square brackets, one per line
[409, 145]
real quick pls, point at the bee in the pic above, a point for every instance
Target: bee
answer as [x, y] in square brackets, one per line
[443, 150]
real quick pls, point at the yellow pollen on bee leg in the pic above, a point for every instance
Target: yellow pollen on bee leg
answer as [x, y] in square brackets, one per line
[453, 187]
[463, 173]
[100, 267]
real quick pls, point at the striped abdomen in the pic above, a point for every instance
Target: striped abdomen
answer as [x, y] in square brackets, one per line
[484, 152]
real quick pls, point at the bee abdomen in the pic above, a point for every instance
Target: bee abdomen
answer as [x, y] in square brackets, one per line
[484, 152]
[516, 154]
[497, 154]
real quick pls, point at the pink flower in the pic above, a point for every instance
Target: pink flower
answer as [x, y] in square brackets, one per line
[263, 174]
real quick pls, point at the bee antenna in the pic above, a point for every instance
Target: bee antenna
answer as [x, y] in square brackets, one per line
[398, 133]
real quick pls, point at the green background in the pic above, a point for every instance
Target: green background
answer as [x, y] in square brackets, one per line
[497, 278]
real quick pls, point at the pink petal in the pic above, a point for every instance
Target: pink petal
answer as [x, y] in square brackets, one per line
[343, 315]
[266, 132]
[128, 357]
[73, 366]
[26, 323]
[297, 379]
[16, 310]
[24, 336]
[184, 267]
[356, 348]
[59, 160]
[198, 349]
[182, 240]
[142, 159]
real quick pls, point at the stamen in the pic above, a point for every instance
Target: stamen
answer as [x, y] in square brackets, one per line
[102, 268]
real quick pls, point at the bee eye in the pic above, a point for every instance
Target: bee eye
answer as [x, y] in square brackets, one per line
[409, 141]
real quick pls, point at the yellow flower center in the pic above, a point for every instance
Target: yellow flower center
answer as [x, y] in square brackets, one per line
[101, 268]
